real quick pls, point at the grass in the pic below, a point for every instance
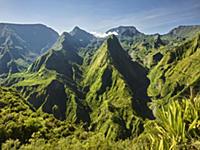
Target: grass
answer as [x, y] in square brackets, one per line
[176, 127]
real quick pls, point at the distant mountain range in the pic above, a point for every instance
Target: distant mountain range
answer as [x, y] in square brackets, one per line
[125, 31]
[21, 44]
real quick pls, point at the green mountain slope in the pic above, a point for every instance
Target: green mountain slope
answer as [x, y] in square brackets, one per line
[60, 58]
[141, 47]
[145, 48]
[116, 91]
[177, 73]
[59, 84]
[13, 51]
[7, 65]
[50, 83]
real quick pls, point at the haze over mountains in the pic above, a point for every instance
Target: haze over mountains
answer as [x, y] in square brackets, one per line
[113, 88]
[21, 44]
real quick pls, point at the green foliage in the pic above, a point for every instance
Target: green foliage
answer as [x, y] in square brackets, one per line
[19, 122]
[176, 126]
[176, 72]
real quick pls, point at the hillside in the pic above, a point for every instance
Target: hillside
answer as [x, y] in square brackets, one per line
[46, 81]
[144, 48]
[20, 122]
[48, 86]
[177, 73]
[182, 32]
[114, 92]
[38, 37]
[21, 44]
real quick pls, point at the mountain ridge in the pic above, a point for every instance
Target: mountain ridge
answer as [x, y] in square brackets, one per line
[42, 86]
[82, 36]
[125, 31]
[23, 43]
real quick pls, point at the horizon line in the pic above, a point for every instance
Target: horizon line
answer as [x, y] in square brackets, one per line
[91, 32]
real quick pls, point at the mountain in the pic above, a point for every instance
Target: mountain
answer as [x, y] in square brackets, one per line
[184, 31]
[62, 54]
[112, 56]
[46, 81]
[86, 44]
[38, 37]
[59, 84]
[125, 31]
[116, 91]
[21, 44]
[82, 36]
[142, 48]
[177, 73]
[67, 41]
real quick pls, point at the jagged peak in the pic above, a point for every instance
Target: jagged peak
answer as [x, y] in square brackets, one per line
[111, 51]
[111, 58]
[82, 36]
[64, 36]
[113, 44]
[108, 49]
[67, 42]
[111, 39]
[77, 30]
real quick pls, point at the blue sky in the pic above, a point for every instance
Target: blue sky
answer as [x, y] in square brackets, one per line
[149, 16]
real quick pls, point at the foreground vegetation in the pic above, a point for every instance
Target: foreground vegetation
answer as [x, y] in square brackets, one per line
[176, 126]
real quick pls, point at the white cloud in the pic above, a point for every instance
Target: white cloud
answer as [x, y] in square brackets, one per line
[103, 35]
